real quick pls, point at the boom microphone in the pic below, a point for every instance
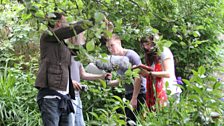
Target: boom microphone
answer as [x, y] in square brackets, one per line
[110, 63]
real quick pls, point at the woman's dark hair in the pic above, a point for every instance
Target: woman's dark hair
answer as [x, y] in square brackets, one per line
[152, 56]
[56, 16]
[149, 38]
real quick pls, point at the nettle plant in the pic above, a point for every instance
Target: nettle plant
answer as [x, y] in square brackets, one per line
[190, 26]
[202, 96]
[200, 104]
[17, 101]
[100, 104]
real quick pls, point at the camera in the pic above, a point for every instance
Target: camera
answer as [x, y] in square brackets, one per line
[84, 87]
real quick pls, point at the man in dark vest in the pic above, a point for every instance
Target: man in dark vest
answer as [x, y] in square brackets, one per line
[53, 78]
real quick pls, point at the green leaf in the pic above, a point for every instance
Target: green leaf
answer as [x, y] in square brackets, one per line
[187, 82]
[174, 29]
[135, 72]
[195, 73]
[118, 98]
[69, 18]
[107, 1]
[180, 37]
[26, 16]
[216, 85]
[167, 43]
[198, 90]
[51, 15]
[94, 114]
[79, 3]
[195, 97]
[115, 108]
[40, 14]
[98, 16]
[90, 46]
[108, 34]
[196, 34]
[104, 54]
[201, 70]
[182, 43]
[103, 83]
[200, 27]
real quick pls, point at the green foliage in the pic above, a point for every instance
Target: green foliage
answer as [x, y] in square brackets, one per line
[18, 63]
[100, 105]
[200, 99]
[186, 24]
[189, 24]
[191, 28]
[17, 101]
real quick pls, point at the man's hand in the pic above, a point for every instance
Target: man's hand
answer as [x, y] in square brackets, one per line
[109, 24]
[76, 85]
[134, 103]
[144, 72]
[107, 76]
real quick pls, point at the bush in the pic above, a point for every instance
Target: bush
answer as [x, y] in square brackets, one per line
[199, 100]
[18, 99]
[192, 27]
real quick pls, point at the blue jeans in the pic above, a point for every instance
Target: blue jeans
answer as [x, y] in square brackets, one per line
[51, 114]
[77, 117]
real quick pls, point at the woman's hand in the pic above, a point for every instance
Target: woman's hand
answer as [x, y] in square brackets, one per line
[113, 83]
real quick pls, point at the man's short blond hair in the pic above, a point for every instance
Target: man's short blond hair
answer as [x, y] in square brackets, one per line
[114, 37]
